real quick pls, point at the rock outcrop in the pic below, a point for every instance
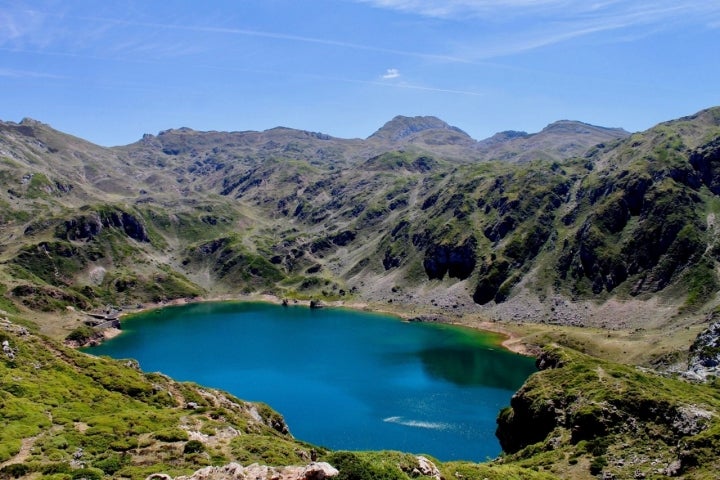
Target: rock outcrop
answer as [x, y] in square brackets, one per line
[456, 261]
[425, 468]
[613, 414]
[706, 160]
[704, 361]
[87, 227]
[235, 471]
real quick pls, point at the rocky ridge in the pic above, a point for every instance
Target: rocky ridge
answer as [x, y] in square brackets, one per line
[420, 467]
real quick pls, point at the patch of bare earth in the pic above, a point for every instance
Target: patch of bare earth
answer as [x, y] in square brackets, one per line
[23, 454]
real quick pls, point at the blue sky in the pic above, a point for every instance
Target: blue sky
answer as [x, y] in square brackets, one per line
[110, 71]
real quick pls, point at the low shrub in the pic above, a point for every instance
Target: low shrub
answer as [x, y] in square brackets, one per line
[193, 446]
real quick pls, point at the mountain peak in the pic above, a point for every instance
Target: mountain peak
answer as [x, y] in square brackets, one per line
[401, 127]
[577, 127]
[31, 122]
[176, 131]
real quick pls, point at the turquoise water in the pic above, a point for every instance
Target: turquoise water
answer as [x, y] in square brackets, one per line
[342, 379]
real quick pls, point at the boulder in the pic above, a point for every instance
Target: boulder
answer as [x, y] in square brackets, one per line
[317, 471]
[426, 468]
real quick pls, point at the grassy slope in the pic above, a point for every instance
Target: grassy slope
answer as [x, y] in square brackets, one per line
[67, 414]
[62, 409]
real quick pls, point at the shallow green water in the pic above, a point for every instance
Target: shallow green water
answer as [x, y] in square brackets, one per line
[342, 379]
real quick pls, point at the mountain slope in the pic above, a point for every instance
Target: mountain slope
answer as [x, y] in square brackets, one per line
[557, 141]
[387, 219]
[584, 418]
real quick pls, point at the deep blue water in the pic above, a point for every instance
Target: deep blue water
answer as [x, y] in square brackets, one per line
[342, 379]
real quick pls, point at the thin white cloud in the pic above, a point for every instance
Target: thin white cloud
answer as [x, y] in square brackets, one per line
[400, 85]
[545, 8]
[21, 28]
[451, 8]
[409, 86]
[9, 72]
[391, 73]
[556, 21]
[277, 36]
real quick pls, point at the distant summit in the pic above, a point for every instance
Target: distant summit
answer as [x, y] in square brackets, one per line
[557, 141]
[403, 128]
[580, 128]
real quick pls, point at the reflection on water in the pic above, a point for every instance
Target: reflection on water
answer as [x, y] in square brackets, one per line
[467, 366]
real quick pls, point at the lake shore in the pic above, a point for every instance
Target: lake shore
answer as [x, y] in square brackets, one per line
[512, 341]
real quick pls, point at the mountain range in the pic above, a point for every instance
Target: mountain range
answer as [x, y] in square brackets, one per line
[599, 239]
[418, 207]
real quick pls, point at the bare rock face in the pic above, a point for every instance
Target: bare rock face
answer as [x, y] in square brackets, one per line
[706, 160]
[130, 224]
[85, 227]
[235, 471]
[456, 261]
[704, 361]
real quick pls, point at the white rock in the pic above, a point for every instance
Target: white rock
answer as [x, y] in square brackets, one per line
[427, 468]
[235, 471]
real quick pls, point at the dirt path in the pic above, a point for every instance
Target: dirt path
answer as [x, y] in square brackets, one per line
[23, 454]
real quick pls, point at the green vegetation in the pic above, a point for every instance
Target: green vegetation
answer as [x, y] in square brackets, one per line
[39, 186]
[81, 334]
[702, 284]
[602, 414]
[6, 304]
[234, 264]
[110, 417]
[355, 467]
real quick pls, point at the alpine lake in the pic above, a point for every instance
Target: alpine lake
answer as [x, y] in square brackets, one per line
[343, 379]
